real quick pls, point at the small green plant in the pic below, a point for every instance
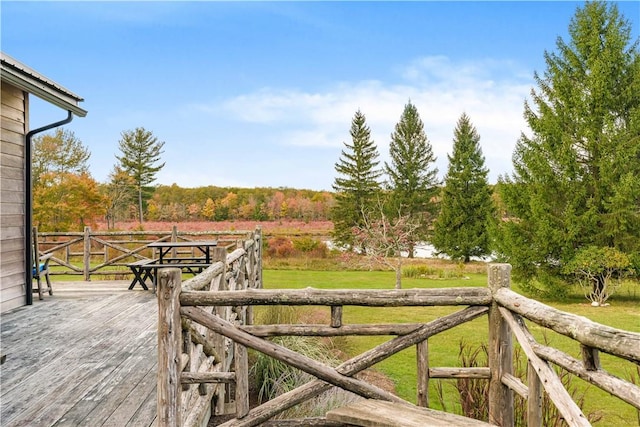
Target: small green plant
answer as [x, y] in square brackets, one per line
[427, 272]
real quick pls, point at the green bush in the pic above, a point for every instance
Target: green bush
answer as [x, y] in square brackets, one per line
[599, 271]
[309, 246]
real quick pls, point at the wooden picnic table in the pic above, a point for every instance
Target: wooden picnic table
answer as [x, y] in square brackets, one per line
[166, 250]
[168, 256]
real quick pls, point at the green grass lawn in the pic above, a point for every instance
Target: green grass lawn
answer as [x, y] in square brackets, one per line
[623, 313]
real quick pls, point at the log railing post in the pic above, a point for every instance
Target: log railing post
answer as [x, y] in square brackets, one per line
[423, 373]
[241, 368]
[336, 316]
[87, 254]
[534, 399]
[169, 348]
[501, 411]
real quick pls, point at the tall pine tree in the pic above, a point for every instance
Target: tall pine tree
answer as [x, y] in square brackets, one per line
[412, 174]
[357, 185]
[466, 208]
[576, 179]
[141, 152]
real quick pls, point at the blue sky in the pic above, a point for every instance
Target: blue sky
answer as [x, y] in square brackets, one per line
[262, 93]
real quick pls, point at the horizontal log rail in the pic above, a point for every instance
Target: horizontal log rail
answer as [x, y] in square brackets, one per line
[213, 309]
[368, 298]
[617, 342]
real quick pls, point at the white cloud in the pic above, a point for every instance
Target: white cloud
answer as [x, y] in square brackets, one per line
[490, 92]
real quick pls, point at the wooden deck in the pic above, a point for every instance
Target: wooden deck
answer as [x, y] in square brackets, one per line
[85, 356]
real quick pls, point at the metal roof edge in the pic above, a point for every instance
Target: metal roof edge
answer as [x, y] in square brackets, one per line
[27, 79]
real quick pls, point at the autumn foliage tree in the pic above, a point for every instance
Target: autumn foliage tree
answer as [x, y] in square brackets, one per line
[67, 201]
[120, 195]
[65, 196]
[59, 152]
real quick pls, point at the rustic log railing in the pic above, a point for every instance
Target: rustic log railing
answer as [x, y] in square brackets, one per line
[191, 317]
[107, 253]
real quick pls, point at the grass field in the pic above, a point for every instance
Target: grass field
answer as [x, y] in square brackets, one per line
[623, 313]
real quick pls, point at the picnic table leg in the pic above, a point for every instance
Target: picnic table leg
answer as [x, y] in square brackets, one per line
[138, 278]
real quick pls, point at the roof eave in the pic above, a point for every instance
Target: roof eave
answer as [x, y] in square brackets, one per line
[22, 77]
[44, 93]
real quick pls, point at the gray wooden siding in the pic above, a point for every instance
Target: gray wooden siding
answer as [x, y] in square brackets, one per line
[12, 199]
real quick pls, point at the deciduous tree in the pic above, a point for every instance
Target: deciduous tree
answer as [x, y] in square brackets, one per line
[385, 237]
[67, 201]
[357, 182]
[466, 208]
[60, 152]
[412, 173]
[576, 180]
[140, 158]
[120, 195]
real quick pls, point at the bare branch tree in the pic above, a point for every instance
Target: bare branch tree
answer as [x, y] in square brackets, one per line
[385, 238]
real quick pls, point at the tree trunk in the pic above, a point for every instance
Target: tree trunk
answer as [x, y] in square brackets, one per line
[399, 273]
[412, 246]
[140, 204]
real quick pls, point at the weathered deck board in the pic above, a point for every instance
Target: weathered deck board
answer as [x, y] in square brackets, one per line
[85, 356]
[377, 413]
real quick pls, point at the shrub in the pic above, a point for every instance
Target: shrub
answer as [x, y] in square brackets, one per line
[599, 271]
[279, 247]
[311, 247]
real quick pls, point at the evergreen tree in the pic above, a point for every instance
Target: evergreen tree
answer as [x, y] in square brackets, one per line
[357, 184]
[576, 180]
[466, 209]
[412, 175]
[141, 152]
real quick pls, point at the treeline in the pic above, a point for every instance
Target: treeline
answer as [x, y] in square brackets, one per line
[173, 203]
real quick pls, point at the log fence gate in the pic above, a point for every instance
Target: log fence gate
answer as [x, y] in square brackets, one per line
[206, 327]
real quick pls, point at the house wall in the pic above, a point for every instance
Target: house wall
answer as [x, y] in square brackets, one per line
[14, 109]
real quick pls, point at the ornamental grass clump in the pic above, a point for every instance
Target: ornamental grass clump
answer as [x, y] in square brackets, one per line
[273, 377]
[472, 394]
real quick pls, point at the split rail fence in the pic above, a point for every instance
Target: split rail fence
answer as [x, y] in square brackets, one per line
[107, 253]
[206, 328]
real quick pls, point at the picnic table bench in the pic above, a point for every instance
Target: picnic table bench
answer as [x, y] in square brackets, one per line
[145, 269]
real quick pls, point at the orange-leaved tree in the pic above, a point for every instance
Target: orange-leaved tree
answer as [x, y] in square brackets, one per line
[67, 201]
